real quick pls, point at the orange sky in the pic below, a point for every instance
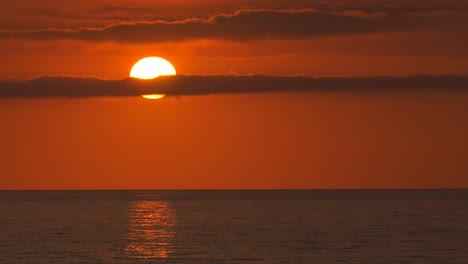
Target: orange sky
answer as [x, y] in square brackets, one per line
[380, 139]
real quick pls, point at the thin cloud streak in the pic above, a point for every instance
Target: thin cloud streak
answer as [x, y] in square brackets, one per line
[242, 25]
[206, 85]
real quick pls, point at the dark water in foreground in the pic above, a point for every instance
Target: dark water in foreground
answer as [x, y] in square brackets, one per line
[234, 227]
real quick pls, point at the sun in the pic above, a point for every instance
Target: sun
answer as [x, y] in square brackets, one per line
[153, 96]
[150, 68]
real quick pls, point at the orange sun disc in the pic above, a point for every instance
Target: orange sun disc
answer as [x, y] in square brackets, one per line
[151, 68]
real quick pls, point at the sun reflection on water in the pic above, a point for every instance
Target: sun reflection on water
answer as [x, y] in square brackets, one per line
[151, 230]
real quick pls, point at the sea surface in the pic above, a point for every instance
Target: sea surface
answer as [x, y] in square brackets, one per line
[329, 226]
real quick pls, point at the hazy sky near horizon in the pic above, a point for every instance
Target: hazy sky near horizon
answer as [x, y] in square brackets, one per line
[372, 138]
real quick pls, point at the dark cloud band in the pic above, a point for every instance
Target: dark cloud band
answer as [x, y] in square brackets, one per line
[205, 85]
[242, 25]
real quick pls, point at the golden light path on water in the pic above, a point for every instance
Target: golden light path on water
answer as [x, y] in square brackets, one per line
[151, 230]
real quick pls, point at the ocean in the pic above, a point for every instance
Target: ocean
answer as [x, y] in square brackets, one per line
[290, 226]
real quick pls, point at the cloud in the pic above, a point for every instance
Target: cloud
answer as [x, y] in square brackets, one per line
[206, 85]
[244, 24]
[394, 7]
